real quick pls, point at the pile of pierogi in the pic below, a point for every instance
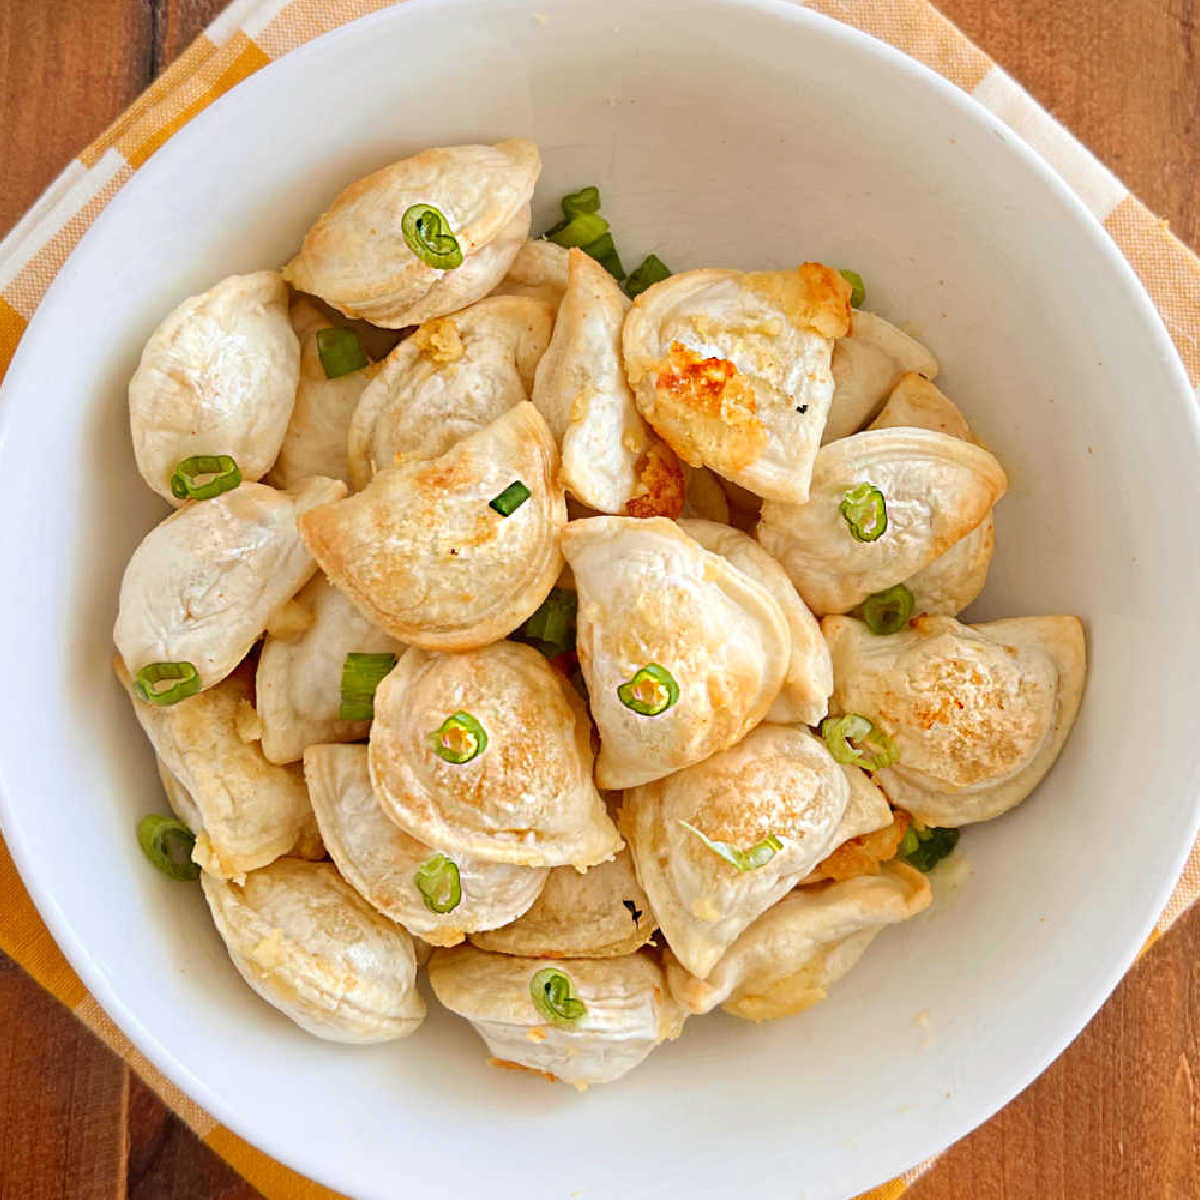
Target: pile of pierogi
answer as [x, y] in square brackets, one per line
[590, 640]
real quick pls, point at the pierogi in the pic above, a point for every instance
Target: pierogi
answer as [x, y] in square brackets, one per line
[439, 897]
[202, 585]
[489, 753]
[977, 713]
[867, 363]
[217, 377]
[789, 958]
[611, 461]
[884, 505]
[733, 370]
[716, 844]
[591, 1021]
[682, 653]
[452, 378]
[310, 946]
[431, 551]
[358, 259]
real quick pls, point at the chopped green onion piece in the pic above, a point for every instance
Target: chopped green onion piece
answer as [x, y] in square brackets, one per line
[933, 844]
[439, 883]
[586, 200]
[510, 499]
[340, 352]
[553, 995]
[361, 675]
[186, 682]
[219, 473]
[459, 739]
[604, 251]
[908, 843]
[552, 628]
[651, 691]
[865, 512]
[887, 612]
[430, 237]
[858, 292]
[652, 270]
[578, 230]
[855, 740]
[168, 843]
[756, 856]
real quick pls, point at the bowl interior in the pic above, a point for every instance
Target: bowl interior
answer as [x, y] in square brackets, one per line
[720, 133]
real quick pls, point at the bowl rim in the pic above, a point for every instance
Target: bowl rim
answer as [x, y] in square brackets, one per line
[144, 180]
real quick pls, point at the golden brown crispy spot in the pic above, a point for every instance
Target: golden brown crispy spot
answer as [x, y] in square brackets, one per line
[814, 297]
[506, 1064]
[862, 855]
[660, 483]
[706, 411]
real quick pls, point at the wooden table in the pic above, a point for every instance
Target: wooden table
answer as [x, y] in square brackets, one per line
[1116, 1116]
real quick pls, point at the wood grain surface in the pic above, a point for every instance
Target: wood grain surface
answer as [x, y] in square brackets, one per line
[1116, 1115]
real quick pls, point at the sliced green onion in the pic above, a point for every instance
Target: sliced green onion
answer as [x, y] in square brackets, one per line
[459, 738]
[586, 200]
[858, 292]
[554, 997]
[651, 691]
[652, 270]
[908, 843]
[933, 844]
[855, 740]
[361, 675]
[430, 237]
[552, 628]
[604, 251]
[756, 856]
[578, 230]
[887, 612]
[510, 499]
[204, 476]
[168, 843]
[865, 512]
[439, 883]
[186, 682]
[340, 352]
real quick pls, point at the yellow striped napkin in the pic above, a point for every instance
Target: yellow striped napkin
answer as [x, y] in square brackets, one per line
[248, 35]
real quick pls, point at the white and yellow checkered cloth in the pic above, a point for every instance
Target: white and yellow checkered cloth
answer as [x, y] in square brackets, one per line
[250, 34]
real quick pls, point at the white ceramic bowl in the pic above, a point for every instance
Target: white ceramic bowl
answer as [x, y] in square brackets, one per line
[742, 134]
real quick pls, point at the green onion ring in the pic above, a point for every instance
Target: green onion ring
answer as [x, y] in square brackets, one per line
[887, 612]
[651, 691]
[187, 682]
[750, 859]
[430, 238]
[158, 836]
[459, 739]
[933, 843]
[651, 271]
[586, 200]
[222, 469]
[340, 352]
[439, 883]
[579, 230]
[854, 740]
[553, 995]
[865, 512]
[361, 675]
[858, 291]
[510, 499]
